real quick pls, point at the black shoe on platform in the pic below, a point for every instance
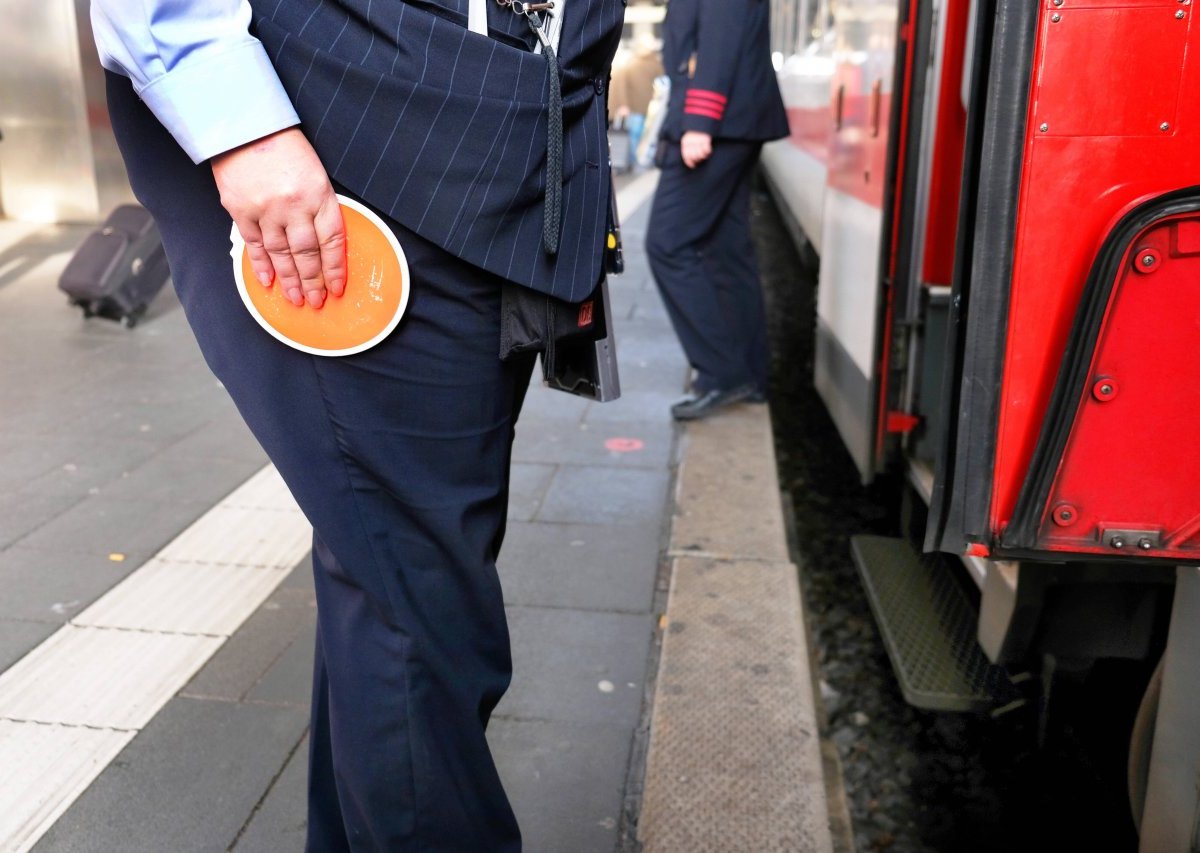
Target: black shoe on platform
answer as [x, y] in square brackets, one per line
[703, 405]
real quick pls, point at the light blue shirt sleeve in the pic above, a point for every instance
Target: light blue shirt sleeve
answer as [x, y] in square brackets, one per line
[197, 67]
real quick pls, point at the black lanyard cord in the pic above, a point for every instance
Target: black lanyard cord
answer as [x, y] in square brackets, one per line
[552, 203]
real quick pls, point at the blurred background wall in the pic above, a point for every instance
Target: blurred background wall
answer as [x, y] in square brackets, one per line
[58, 159]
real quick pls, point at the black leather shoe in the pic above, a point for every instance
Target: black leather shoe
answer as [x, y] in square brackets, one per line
[703, 405]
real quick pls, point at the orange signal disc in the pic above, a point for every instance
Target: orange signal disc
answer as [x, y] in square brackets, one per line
[376, 293]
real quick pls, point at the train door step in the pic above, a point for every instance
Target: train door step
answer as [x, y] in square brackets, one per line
[928, 625]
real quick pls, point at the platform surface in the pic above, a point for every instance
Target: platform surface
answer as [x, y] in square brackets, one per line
[155, 650]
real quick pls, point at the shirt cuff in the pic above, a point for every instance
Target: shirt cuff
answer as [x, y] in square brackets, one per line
[220, 102]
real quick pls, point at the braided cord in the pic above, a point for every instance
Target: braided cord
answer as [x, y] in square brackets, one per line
[552, 203]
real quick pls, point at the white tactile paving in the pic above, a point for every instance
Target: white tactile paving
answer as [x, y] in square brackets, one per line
[100, 677]
[265, 490]
[42, 770]
[184, 598]
[242, 536]
[69, 706]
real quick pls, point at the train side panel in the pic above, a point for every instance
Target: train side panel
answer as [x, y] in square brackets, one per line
[849, 287]
[797, 164]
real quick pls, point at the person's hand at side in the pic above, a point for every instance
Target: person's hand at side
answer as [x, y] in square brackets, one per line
[695, 148]
[284, 206]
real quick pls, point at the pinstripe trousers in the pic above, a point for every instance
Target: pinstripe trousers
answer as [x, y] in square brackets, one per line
[399, 457]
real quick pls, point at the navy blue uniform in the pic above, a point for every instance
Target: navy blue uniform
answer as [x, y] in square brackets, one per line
[718, 56]
[399, 456]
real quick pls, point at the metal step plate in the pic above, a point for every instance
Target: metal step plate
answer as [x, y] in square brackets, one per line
[928, 625]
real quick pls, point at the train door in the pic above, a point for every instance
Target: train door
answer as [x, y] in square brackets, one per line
[1071, 384]
[890, 208]
[849, 292]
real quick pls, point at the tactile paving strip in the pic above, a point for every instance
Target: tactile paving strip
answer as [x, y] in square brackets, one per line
[734, 761]
[70, 705]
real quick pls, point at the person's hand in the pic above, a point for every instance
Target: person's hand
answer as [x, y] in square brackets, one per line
[283, 204]
[695, 147]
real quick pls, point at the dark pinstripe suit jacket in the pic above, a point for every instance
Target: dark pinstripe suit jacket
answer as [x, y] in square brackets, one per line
[444, 130]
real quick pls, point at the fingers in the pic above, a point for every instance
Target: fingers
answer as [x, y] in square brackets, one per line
[278, 193]
[279, 249]
[306, 255]
[331, 239]
[318, 252]
[260, 261]
[271, 256]
[695, 148]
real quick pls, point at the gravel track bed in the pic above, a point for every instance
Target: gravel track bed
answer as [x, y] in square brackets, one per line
[915, 781]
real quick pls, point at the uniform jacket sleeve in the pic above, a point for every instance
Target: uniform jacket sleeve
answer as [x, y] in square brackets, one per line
[197, 67]
[719, 46]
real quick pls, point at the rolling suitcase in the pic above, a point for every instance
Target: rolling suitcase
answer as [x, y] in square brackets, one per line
[119, 268]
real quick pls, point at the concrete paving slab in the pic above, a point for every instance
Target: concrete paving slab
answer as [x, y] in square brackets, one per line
[565, 782]
[652, 374]
[286, 682]
[18, 638]
[581, 566]
[546, 404]
[301, 577]
[187, 783]
[631, 444]
[77, 467]
[53, 586]
[169, 474]
[577, 665]
[224, 439]
[649, 309]
[22, 513]
[527, 489]
[729, 467]
[646, 343]
[634, 406]
[280, 823]
[591, 494]
[248, 655]
[98, 525]
[135, 420]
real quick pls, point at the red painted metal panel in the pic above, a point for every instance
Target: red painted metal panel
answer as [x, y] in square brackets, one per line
[1087, 53]
[810, 128]
[858, 147]
[884, 422]
[945, 177]
[1127, 481]
[1073, 189]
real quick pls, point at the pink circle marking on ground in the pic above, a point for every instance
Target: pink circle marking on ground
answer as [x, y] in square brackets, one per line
[624, 445]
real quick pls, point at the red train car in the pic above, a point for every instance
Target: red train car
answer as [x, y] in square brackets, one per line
[1005, 198]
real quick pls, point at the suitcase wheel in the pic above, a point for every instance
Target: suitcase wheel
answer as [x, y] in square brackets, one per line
[131, 319]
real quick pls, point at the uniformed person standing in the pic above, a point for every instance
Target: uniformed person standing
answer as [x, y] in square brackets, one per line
[724, 105]
[446, 123]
